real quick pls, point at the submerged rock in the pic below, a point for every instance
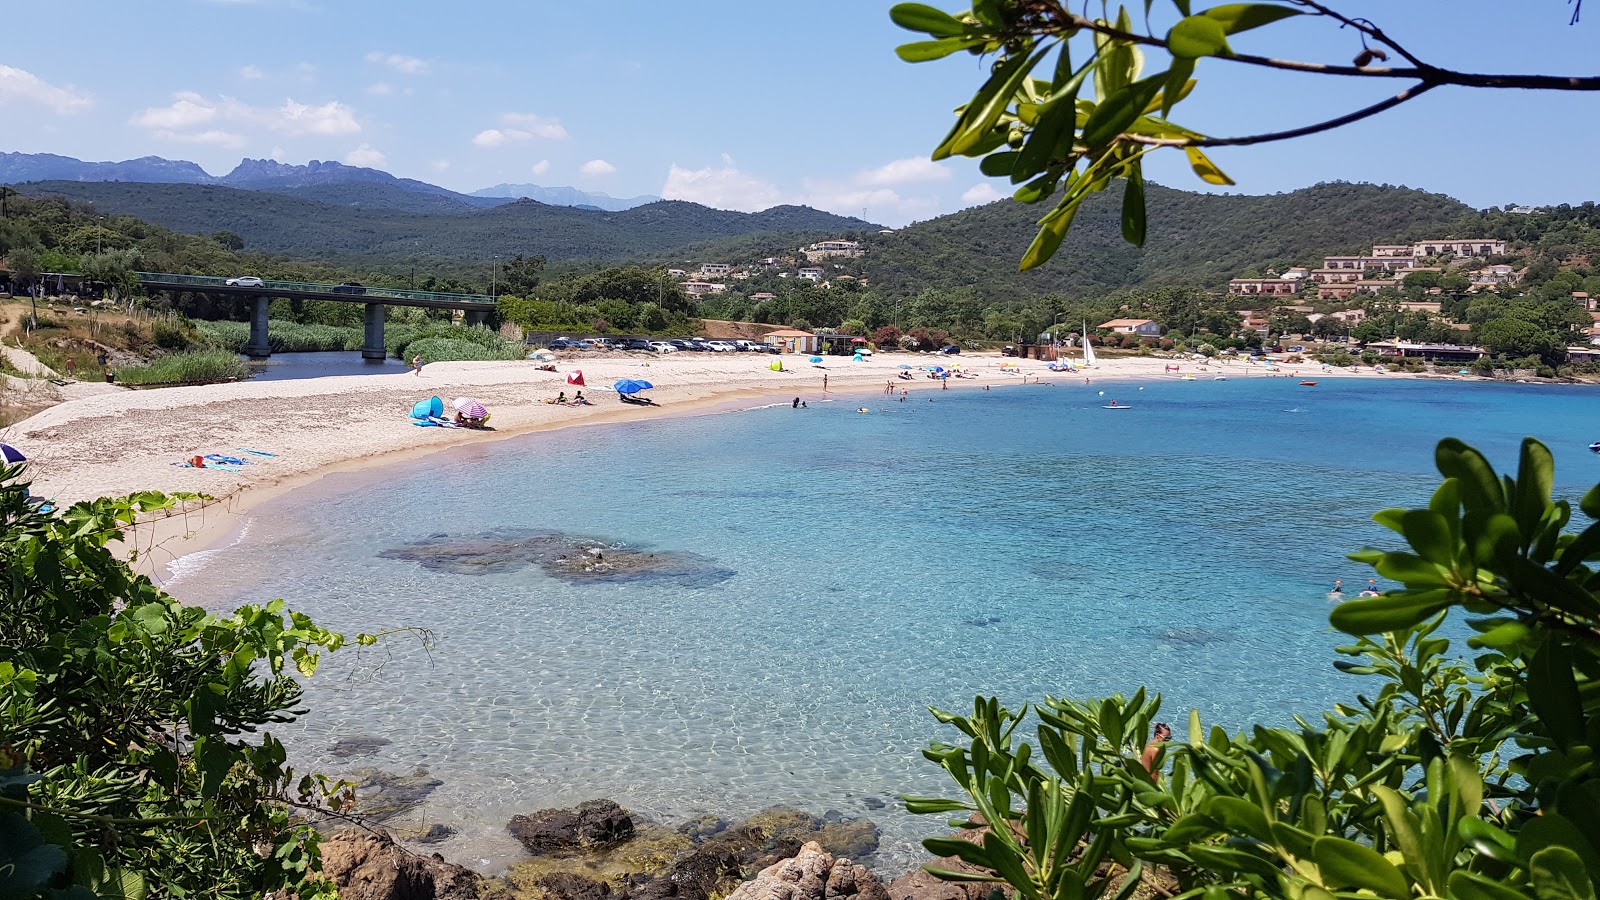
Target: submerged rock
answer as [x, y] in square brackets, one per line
[424, 834]
[574, 559]
[382, 795]
[358, 745]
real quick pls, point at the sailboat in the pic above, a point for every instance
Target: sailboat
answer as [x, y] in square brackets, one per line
[1088, 351]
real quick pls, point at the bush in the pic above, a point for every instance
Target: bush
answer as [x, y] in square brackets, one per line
[200, 367]
[284, 337]
[441, 349]
[1340, 358]
[398, 340]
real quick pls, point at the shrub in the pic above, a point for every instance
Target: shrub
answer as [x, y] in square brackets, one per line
[443, 349]
[200, 367]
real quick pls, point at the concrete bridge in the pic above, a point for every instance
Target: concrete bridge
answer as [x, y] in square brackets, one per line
[476, 306]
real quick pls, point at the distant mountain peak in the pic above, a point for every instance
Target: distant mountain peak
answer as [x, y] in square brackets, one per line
[16, 168]
[564, 196]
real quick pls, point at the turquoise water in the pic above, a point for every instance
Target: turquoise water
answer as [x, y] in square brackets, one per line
[1014, 542]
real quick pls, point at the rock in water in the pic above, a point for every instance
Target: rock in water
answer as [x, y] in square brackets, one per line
[812, 874]
[373, 867]
[383, 795]
[577, 560]
[594, 823]
[358, 745]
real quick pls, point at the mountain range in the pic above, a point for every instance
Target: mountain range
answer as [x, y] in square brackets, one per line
[271, 175]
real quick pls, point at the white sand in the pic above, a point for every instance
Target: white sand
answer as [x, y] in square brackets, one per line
[125, 441]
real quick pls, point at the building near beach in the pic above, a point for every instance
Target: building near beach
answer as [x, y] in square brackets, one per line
[1431, 352]
[1141, 327]
[791, 341]
[1460, 247]
[1265, 287]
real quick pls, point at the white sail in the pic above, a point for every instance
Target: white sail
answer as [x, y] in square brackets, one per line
[1088, 351]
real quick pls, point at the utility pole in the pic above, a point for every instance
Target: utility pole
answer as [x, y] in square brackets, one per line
[494, 276]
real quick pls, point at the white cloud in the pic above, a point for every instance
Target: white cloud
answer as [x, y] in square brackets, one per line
[252, 73]
[405, 65]
[190, 110]
[441, 165]
[541, 167]
[366, 155]
[19, 87]
[980, 193]
[518, 127]
[905, 171]
[279, 154]
[212, 138]
[380, 89]
[596, 167]
[724, 187]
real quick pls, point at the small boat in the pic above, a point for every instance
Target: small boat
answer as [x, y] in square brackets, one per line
[1308, 384]
[1595, 447]
[1220, 378]
[1115, 405]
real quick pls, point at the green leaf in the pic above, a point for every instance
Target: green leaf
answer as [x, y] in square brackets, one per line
[1590, 504]
[122, 884]
[1553, 694]
[1557, 873]
[1205, 168]
[26, 861]
[1237, 17]
[1554, 830]
[922, 806]
[1535, 480]
[966, 851]
[1177, 82]
[1052, 231]
[1052, 136]
[1112, 116]
[1240, 817]
[998, 165]
[1133, 213]
[1488, 840]
[1391, 612]
[924, 18]
[1465, 885]
[927, 51]
[1480, 489]
[1197, 36]
[1429, 534]
[1347, 864]
[980, 116]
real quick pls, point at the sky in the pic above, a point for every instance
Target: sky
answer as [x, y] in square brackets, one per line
[742, 104]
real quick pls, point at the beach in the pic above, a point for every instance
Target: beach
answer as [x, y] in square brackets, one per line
[120, 442]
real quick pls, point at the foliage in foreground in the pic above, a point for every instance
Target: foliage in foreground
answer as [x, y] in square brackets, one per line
[195, 367]
[134, 758]
[1468, 781]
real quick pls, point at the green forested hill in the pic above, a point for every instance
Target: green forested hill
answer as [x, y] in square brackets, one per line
[346, 233]
[1198, 239]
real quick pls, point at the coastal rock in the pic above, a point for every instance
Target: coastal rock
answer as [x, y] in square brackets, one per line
[594, 823]
[919, 885]
[424, 834]
[373, 867]
[567, 886]
[358, 745]
[703, 828]
[812, 874]
[382, 795]
[574, 559]
[850, 839]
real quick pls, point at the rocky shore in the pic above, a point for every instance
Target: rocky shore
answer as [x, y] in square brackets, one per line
[601, 851]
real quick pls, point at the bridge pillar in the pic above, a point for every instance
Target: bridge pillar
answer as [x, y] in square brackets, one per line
[476, 317]
[258, 346]
[374, 348]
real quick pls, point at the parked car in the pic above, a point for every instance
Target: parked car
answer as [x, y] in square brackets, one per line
[679, 343]
[721, 347]
[950, 348]
[245, 281]
[559, 344]
[1008, 350]
[662, 347]
[603, 343]
[349, 287]
[745, 346]
[637, 344]
[1297, 348]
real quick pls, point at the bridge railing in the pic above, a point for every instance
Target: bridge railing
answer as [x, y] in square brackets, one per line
[204, 281]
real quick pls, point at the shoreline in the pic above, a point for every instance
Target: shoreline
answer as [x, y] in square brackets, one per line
[127, 441]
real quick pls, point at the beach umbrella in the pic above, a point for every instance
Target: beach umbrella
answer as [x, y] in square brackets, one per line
[469, 407]
[858, 340]
[631, 386]
[11, 455]
[576, 377]
[904, 366]
[815, 359]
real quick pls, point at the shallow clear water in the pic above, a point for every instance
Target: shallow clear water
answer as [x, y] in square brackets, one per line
[1014, 542]
[282, 366]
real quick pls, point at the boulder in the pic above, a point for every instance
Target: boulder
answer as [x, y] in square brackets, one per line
[812, 874]
[594, 823]
[368, 866]
[424, 834]
[567, 886]
[382, 795]
[357, 745]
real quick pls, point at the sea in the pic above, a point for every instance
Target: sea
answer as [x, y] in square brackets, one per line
[835, 573]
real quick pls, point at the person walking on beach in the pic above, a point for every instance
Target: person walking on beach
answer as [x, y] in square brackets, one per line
[888, 387]
[416, 364]
[824, 382]
[944, 384]
[795, 404]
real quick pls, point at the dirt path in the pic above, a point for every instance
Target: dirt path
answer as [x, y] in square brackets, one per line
[16, 357]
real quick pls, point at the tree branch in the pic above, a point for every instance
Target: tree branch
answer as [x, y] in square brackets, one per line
[1409, 93]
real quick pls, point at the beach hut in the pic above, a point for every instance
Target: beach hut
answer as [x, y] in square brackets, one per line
[791, 341]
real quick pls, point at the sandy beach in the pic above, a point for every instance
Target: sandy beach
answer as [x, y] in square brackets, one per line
[132, 440]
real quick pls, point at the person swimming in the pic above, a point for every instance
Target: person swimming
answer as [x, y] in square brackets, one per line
[1372, 589]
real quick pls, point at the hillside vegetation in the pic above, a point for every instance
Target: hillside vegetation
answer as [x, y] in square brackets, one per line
[335, 228]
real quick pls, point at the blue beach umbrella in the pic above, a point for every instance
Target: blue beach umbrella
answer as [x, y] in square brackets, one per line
[631, 386]
[10, 455]
[815, 359]
[904, 366]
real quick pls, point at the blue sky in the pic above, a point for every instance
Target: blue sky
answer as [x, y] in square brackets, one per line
[739, 104]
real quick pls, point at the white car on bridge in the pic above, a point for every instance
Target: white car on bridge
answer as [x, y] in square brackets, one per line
[245, 281]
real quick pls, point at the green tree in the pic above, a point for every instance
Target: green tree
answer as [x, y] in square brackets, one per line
[1067, 107]
[521, 274]
[1511, 337]
[134, 753]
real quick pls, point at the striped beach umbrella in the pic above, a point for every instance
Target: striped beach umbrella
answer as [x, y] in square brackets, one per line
[10, 455]
[469, 407]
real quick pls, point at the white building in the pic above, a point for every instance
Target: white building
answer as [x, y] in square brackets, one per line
[715, 269]
[811, 273]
